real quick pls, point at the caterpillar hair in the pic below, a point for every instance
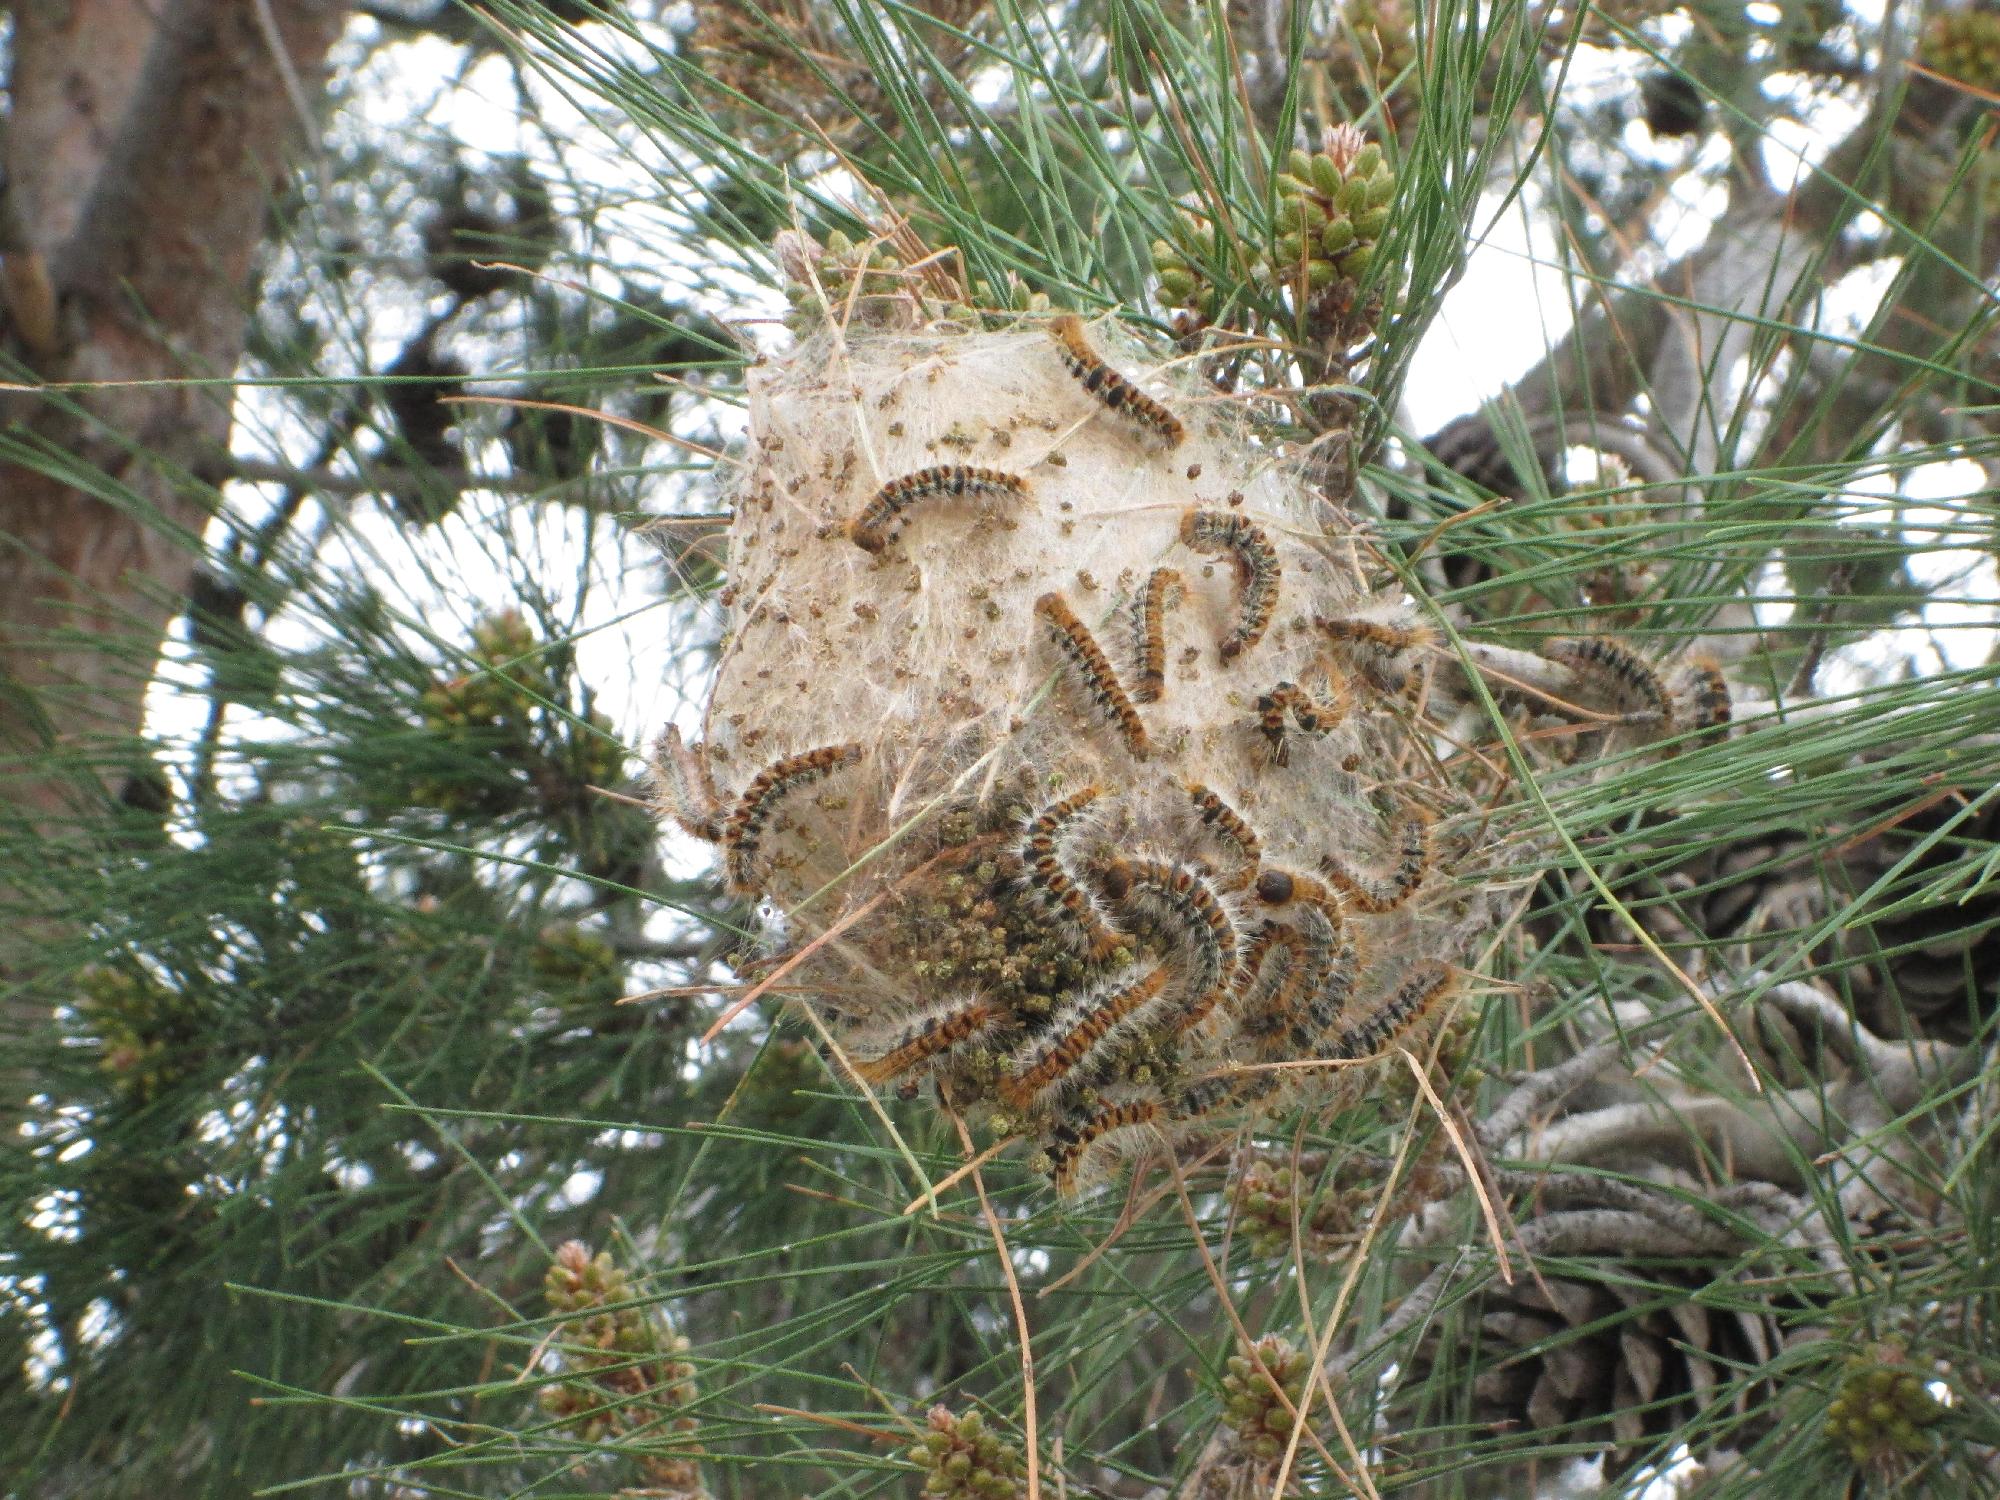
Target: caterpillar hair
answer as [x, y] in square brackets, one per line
[745, 828]
[877, 523]
[1376, 894]
[1072, 1141]
[1220, 1091]
[683, 788]
[1180, 901]
[1226, 823]
[1163, 587]
[1633, 682]
[1706, 692]
[1423, 988]
[1080, 649]
[1334, 962]
[1256, 569]
[1077, 1032]
[1313, 716]
[1042, 857]
[1110, 388]
[1393, 639]
[929, 1038]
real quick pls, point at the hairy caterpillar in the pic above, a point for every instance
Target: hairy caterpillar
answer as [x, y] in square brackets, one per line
[1112, 389]
[1377, 633]
[1079, 647]
[1313, 716]
[1077, 1032]
[1222, 819]
[1163, 587]
[1637, 685]
[1180, 900]
[745, 829]
[1422, 989]
[1046, 874]
[684, 788]
[928, 1038]
[1707, 694]
[1256, 569]
[1379, 893]
[1075, 1138]
[876, 524]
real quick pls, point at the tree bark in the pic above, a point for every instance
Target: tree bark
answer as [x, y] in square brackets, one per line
[145, 147]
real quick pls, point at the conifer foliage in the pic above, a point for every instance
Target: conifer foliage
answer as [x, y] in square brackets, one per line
[906, 749]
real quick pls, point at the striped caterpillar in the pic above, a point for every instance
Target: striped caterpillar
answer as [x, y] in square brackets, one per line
[1045, 873]
[1257, 570]
[1078, 1031]
[745, 829]
[1376, 894]
[1706, 692]
[1634, 682]
[1313, 716]
[1223, 820]
[683, 787]
[1079, 647]
[929, 1038]
[1177, 899]
[877, 523]
[1109, 387]
[1075, 1138]
[1163, 587]
[1420, 993]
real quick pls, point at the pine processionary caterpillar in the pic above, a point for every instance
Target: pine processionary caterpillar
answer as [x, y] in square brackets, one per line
[1073, 1139]
[1110, 388]
[745, 829]
[1313, 716]
[1220, 1091]
[1707, 693]
[1632, 679]
[1256, 569]
[928, 1038]
[1079, 647]
[1423, 988]
[1163, 587]
[1383, 636]
[1223, 820]
[1179, 902]
[1079, 1030]
[1376, 894]
[683, 787]
[1335, 965]
[876, 524]
[1045, 873]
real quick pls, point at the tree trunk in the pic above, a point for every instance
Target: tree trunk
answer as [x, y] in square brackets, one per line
[144, 150]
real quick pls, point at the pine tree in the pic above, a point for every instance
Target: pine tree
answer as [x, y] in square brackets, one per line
[424, 1112]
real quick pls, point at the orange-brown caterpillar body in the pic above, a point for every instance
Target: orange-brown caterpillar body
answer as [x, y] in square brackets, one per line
[1112, 389]
[745, 829]
[1422, 989]
[1073, 1139]
[1222, 1091]
[1380, 893]
[1163, 587]
[1636, 685]
[684, 788]
[1335, 965]
[1078, 1031]
[876, 524]
[1313, 716]
[1257, 570]
[1045, 873]
[929, 1038]
[1706, 692]
[1181, 901]
[1079, 647]
[1225, 821]
[1379, 634]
